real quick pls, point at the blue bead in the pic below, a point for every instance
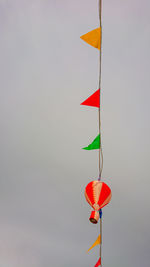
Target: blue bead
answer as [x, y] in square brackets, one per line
[100, 213]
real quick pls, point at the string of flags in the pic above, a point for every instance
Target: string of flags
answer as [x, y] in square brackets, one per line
[97, 193]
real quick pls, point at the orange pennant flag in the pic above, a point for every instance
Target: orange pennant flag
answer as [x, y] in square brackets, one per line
[93, 38]
[97, 242]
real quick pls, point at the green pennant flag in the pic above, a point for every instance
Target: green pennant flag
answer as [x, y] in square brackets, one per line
[94, 145]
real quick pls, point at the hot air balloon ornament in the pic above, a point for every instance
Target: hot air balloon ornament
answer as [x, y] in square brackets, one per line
[98, 195]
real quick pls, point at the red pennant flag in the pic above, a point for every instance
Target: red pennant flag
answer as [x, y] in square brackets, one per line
[98, 263]
[93, 100]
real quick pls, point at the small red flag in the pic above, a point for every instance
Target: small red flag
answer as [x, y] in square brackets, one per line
[93, 100]
[98, 263]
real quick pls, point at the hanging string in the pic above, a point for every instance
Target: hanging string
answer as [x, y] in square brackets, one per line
[100, 252]
[99, 112]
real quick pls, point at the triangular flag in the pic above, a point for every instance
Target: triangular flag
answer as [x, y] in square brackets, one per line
[93, 100]
[93, 38]
[98, 263]
[97, 242]
[94, 145]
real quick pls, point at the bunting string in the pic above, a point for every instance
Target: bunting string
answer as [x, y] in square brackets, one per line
[100, 78]
[99, 111]
[97, 193]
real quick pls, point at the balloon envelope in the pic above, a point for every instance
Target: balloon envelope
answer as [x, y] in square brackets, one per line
[97, 194]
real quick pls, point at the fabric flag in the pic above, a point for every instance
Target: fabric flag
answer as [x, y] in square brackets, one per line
[97, 242]
[93, 38]
[93, 100]
[98, 263]
[94, 145]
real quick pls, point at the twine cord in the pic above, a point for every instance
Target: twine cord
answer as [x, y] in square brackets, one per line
[100, 74]
[99, 113]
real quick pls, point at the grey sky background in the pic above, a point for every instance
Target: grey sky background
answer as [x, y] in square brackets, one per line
[46, 72]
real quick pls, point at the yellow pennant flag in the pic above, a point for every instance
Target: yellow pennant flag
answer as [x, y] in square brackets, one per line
[93, 38]
[97, 242]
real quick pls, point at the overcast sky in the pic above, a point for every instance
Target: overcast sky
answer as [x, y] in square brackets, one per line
[46, 71]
